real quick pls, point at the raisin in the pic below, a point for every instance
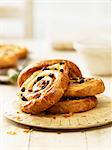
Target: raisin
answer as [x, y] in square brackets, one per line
[34, 83]
[43, 87]
[47, 82]
[61, 70]
[51, 75]
[44, 68]
[43, 82]
[61, 63]
[24, 99]
[77, 98]
[72, 98]
[81, 81]
[39, 78]
[30, 90]
[55, 69]
[37, 96]
[23, 89]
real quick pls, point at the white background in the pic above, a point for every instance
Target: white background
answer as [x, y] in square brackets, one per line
[63, 19]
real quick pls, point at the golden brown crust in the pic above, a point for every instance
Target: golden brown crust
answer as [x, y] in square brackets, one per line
[74, 106]
[20, 52]
[7, 59]
[90, 87]
[26, 73]
[44, 88]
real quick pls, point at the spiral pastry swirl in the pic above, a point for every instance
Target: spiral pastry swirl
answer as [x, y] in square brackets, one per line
[74, 71]
[44, 88]
[57, 86]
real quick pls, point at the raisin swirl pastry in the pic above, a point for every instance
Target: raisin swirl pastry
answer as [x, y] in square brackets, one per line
[79, 96]
[44, 88]
[81, 87]
[73, 105]
[27, 72]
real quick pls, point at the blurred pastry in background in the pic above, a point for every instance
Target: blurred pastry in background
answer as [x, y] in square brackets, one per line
[7, 59]
[63, 46]
[10, 64]
[20, 52]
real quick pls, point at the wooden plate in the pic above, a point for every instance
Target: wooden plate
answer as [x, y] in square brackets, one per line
[98, 116]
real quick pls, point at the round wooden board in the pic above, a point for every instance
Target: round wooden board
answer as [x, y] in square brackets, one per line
[98, 116]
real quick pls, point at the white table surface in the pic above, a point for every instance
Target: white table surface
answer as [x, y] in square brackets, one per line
[92, 139]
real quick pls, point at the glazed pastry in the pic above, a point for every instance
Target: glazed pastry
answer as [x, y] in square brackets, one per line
[79, 96]
[7, 59]
[57, 86]
[84, 87]
[44, 88]
[73, 105]
[28, 71]
[20, 52]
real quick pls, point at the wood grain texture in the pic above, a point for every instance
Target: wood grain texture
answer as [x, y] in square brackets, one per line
[99, 139]
[63, 141]
[12, 136]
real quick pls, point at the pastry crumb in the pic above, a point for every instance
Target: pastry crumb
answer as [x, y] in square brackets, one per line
[18, 118]
[26, 130]
[11, 132]
[68, 115]
[83, 116]
[54, 117]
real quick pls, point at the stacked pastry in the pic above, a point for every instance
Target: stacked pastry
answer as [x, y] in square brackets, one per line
[10, 54]
[57, 86]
